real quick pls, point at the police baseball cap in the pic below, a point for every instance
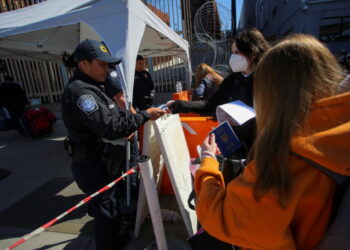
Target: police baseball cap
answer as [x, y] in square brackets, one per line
[92, 49]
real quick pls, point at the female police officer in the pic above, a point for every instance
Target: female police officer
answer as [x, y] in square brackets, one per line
[89, 116]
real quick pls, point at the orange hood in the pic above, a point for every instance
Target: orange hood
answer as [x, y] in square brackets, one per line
[326, 134]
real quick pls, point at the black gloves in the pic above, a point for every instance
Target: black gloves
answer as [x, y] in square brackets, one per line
[177, 107]
[199, 107]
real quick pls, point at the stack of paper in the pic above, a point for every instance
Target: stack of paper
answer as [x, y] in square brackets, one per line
[236, 113]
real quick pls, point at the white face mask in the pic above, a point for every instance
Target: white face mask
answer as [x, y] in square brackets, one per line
[238, 63]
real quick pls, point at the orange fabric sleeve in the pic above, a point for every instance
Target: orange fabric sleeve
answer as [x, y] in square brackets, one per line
[234, 216]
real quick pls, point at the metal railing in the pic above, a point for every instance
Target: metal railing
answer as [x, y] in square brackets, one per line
[40, 79]
[209, 36]
[179, 13]
[165, 70]
[8, 5]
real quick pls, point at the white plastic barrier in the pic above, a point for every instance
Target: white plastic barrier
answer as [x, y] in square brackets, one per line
[165, 138]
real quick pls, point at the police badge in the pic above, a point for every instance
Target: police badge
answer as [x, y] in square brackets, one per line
[87, 104]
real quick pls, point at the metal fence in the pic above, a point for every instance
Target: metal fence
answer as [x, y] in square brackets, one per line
[165, 70]
[40, 79]
[7, 5]
[179, 13]
[207, 28]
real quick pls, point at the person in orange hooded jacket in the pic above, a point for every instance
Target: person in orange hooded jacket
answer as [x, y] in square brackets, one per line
[281, 201]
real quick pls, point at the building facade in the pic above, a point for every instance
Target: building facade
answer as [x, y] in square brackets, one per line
[327, 20]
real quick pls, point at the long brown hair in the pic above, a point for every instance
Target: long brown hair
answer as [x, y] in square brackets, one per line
[291, 76]
[203, 70]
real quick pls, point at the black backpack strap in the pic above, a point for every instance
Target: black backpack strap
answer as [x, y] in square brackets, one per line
[338, 178]
[191, 198]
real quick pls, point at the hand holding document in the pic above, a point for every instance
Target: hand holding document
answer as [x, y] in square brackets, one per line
[226, 139]
[163, 106]
[166, 106]
[236, 113]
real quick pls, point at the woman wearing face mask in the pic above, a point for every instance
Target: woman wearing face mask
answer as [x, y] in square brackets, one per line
[247, 49]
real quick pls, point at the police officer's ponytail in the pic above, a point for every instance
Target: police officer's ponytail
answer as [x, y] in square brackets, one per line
[68, 60]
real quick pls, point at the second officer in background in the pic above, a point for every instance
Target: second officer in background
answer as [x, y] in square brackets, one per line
[143, 94]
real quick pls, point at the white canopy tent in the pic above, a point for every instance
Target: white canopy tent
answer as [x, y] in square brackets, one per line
[44, 31]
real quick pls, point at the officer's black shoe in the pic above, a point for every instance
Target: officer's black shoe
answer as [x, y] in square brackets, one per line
[122, 241]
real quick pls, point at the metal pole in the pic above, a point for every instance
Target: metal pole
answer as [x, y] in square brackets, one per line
[127, 164]
[120, 71]
[233, 8]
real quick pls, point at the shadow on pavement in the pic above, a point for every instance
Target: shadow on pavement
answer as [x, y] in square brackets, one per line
[43, 204]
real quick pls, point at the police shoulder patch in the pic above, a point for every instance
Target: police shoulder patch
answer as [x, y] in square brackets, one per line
[87, 104]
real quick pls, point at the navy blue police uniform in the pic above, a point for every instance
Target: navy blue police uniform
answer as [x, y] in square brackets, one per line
[143, 93]
[90, 115]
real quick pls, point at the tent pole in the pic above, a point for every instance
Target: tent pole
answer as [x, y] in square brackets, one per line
[120, 72]
[127, 164]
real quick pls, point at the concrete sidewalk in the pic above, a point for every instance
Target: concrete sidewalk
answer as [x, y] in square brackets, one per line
[36, 185]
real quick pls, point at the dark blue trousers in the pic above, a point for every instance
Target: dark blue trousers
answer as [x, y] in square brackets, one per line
[105, 208]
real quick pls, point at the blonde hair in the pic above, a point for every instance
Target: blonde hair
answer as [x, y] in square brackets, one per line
[203, 70]
[293, 74]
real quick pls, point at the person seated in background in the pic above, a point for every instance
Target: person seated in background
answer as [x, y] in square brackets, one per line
[282, 201]
[14, 99]
[143, 94]
[207, 82]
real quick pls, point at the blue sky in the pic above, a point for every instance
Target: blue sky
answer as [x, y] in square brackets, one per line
[227, 4]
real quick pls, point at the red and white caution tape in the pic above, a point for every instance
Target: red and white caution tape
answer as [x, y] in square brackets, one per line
[82, 202]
